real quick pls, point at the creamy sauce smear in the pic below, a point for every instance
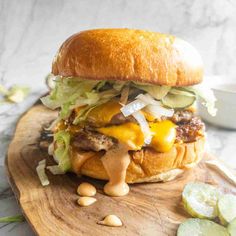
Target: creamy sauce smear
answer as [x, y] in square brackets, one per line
[79, 159]
[86, 189]
[86, 201]
[116, 162]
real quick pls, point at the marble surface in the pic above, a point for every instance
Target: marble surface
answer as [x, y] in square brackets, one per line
[31, 31]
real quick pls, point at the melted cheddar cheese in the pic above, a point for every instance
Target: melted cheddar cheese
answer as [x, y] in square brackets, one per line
[129, 133]
[164, 134]
[102, 115]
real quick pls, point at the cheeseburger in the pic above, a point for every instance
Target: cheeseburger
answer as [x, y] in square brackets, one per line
[126, 101]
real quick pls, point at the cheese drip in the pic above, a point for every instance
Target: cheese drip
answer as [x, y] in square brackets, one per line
[116, 162]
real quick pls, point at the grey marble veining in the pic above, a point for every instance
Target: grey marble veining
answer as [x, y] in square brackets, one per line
[32, 30]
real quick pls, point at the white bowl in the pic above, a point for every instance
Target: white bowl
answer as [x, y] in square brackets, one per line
[225, 104]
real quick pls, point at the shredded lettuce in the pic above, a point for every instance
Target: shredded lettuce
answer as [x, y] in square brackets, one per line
[61, 153]
[55, 170]
[156, 91]
[15, 94]
[70, 93]
[118, 85]
[82, 114]
[40, 169]
[206, 96]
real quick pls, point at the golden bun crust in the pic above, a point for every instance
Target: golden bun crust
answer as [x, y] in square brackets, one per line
[128, 54]
[148, 165]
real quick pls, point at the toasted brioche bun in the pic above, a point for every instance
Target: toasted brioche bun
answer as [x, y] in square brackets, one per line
[148, 165]
[129, 55]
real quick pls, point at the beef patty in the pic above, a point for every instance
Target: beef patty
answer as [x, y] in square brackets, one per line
[92, 141]
[189, 128]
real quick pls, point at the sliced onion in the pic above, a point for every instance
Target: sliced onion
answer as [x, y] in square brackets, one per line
[144, 126]
[132, 107]
[124, 95]
[55, 170]
[41, 173]
[152, 106]
[159, 111]
[148, 99]
[155, 107]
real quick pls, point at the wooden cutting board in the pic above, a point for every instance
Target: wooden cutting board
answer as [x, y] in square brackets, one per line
[149, 209]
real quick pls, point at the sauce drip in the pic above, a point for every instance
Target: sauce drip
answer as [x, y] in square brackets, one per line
[79, 158]
[86, 201]
[86, 189]
[116, 162]
[111, 220]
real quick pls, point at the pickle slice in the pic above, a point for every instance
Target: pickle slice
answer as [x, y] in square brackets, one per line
[200, 200]
[200, 227]
[232, 227]
[178, 101]
[227, 208]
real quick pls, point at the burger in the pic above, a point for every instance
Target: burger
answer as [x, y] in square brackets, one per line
[126, 101]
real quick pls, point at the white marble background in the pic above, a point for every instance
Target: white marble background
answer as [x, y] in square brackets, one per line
[32, 30]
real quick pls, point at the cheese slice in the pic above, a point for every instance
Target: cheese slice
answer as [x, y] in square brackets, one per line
[128, 133]
[102, 115]
[164, 134]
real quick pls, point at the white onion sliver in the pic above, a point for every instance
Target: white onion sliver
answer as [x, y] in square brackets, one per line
[158, 111]
[55, 170]
[148, 99]
[41, 173]
[151, 105]
[132, 107]
[155, 107]
[144, 126]
[124, 95]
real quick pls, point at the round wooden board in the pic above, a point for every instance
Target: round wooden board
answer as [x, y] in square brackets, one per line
[149, 209]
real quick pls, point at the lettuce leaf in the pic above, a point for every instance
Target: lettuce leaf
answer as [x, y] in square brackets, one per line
[67, 93]
[61, 153]
[70, 93]
[206, 96]
[15, 94]
[156, 91]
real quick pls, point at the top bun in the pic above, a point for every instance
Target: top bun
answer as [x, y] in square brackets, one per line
[129, 55]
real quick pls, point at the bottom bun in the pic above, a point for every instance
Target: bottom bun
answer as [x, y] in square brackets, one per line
[147, 165]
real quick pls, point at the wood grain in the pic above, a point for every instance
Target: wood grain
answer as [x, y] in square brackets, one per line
[149, 209]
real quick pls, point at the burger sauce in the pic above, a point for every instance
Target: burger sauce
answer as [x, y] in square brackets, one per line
[116, 162]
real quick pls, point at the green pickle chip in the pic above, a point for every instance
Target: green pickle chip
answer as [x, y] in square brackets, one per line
[200, 200]
[232, 227]
[201, 227]
[227, 208]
